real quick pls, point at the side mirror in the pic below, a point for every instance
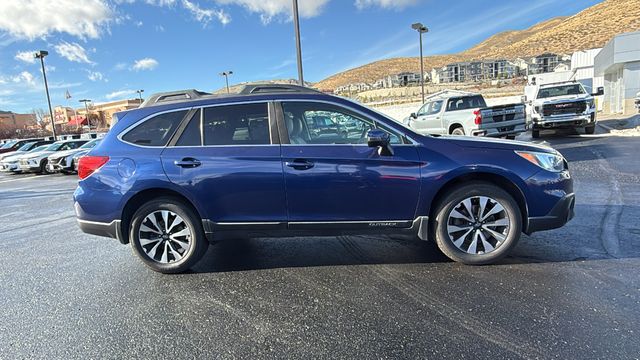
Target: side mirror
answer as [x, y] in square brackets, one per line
[523, 99]
[380, 139]
[600, 91]
[413, 115]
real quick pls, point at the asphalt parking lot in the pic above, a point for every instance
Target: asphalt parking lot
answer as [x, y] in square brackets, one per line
[572, 293]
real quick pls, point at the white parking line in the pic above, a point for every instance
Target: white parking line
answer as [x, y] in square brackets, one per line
[24, 178]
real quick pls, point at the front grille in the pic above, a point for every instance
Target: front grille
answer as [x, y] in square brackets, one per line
[576, 107]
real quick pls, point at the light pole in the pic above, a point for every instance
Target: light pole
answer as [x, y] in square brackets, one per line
[86, 111]
[421, 29]
[140, 94]
[296, 24]
[226, 77]
[40, 55]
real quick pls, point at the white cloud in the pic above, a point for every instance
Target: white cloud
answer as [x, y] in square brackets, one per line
[31, 19]
[139, 23]
[95, 76]
[26, 56]
[159, 28]
[119, 94]
[269, 9]
[72, 52]
[145, 64]
[206, 15]
[385, 4]
[24, 78]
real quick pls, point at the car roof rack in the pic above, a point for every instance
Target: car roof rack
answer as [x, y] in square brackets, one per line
[174, 96]
[275, 88]
[193, 94]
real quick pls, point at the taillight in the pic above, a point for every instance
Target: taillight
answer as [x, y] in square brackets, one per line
[478, 115]
[87, 165]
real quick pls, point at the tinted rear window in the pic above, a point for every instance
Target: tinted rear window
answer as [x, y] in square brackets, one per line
[466, 102]
[156, 131]
[245, 124]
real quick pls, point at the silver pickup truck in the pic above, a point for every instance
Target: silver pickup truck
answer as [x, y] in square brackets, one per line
[463, 113]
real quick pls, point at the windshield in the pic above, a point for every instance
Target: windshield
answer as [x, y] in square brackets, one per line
[39, 148]
[90, 145]
[54, 146]
[9, 144]
[573, 89]
[26, 146]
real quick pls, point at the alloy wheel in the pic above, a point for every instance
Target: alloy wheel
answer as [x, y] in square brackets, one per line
[478, 225]
[164, 236]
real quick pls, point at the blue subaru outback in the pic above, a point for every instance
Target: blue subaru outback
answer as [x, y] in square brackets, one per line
[188, 168]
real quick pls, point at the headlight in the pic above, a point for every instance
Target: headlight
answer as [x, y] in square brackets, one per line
[591, 104]
[537, 109]
[547, 161]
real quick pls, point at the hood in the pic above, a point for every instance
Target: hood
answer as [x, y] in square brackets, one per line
[10, 153]
[12, 156]
[492, 143]
[37, 154]
[65, 153]
[558, 99]
[81, 153]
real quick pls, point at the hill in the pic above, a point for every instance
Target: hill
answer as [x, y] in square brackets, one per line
[590, 28]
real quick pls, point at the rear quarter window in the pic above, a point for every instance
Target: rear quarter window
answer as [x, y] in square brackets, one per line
[156, 131]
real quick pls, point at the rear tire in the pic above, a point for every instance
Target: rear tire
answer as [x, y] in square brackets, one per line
[477, 236]
[167, 235]
[458, 131]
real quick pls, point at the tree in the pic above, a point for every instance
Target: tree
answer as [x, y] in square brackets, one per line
[40, 113]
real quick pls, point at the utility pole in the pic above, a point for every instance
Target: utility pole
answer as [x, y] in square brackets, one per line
[296, 22]
[140, 94]
[40, 55]
[421, 29]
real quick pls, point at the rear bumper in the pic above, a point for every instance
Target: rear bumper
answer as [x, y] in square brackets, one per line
[559, 215]
[111, 229]
[501, 131]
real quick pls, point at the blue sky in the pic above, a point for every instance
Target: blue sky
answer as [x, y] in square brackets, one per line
[106, 49]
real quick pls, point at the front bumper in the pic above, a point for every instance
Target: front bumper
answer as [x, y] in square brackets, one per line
[559, 215]
[29, 166]
[13, 167]
[555, 121]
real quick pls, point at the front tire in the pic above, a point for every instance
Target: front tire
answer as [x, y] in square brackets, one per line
[477, 223]
[167, 235]
[590, 130]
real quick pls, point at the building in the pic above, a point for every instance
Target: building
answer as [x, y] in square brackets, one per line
[474, 71]
[10, 121]
[619, 64]
[438, 75]
[398, 80]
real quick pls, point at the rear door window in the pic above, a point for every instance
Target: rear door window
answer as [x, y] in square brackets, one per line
[156, 131]
[243, 124]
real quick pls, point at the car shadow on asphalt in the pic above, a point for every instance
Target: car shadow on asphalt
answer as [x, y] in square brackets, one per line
[272, 253]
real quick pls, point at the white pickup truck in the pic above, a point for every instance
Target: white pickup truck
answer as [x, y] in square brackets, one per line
[561, 105]
[464, 113]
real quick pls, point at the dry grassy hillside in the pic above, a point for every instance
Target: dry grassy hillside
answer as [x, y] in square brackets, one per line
[590, 28]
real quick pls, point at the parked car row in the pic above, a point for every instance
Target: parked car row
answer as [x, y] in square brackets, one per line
[46, 156]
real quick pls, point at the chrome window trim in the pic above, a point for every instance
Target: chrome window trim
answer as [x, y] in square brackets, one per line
[202, 107]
